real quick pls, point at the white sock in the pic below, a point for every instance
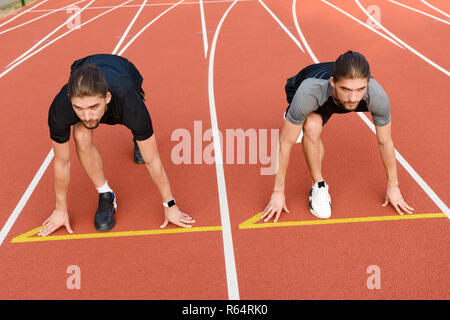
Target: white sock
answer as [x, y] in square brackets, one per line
[104, 188]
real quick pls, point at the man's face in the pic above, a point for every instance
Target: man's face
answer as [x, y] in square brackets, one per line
[90, 109]
[349, 92]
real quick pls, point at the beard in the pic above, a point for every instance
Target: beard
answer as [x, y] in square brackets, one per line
[349, 106]
[91, 126]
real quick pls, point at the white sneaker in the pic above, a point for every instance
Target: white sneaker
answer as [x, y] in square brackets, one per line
[320, 200]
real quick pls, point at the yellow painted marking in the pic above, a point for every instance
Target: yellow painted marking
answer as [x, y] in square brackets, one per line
[27, 237]
[251, 223]
[248, 224]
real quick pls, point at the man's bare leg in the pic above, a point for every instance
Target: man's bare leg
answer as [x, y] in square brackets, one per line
[90, 158]
[319, 198]
[92, 163]
[312, 146]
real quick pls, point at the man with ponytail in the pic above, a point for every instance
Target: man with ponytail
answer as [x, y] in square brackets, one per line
[314, 95]
[103, 89]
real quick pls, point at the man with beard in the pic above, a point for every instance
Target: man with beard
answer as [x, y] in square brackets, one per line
[314, 95]
[103, 88]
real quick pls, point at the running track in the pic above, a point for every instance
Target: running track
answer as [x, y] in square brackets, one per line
[225, 63]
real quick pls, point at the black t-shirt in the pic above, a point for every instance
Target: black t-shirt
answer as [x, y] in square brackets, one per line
[126, 107]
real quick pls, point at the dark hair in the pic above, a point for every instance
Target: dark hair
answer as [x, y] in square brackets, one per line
[351, 65]
[87, 81]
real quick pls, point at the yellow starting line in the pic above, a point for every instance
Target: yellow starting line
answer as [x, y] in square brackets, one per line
[28, 236]
[251, 223]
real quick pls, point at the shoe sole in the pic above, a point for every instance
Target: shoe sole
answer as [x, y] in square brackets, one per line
[107, 228]
[138, 161]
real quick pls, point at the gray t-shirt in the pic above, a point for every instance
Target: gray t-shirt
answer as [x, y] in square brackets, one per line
[315, 94]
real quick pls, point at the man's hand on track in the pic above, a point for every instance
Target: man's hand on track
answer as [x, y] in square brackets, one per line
[58, 219]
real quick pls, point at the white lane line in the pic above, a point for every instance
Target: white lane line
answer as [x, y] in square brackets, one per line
[282, 25]
[53, 32]
[417, 53]
[230, 265]
[418, 11]
[441, 205]
[129, 27]
[23, 12]
[146, 26]
[413, 173]
[205, 37]
[40, 17]
[59, 37]
[300, 33]
[436, 9]
[363, 24]
[23, 201]
[157, 4]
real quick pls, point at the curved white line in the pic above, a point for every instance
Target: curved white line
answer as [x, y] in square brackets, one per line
[434, 8]
[59, 37]
[300, 33]
[417, 53]
[129, 27]
[205, 37]
[363, 24]
[53, 32]
[146, 26]
[418, 11]
[152, 5]
[40, 17]
[23, 12]
[230, 265]
[282, 25]
[433, 196]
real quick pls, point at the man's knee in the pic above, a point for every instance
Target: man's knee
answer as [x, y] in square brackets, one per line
[312, 127]
[82, 137]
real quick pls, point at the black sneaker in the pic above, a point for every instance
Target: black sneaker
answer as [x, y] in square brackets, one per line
[137, 154]
[107, 206]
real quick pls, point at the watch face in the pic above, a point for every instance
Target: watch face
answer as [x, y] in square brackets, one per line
[171, 203]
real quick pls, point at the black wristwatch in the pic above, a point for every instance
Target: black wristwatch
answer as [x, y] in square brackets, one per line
[169, 204]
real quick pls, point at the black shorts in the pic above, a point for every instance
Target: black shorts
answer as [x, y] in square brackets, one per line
[324, 113]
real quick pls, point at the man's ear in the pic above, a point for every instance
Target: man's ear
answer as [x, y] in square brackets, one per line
[108, 97]
[333, 84]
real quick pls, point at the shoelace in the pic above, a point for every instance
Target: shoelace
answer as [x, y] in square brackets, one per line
[105, 205]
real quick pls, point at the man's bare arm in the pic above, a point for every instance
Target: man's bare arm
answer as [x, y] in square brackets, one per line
[149, 152]
[277, 203]
[61, 173]
[387, 152]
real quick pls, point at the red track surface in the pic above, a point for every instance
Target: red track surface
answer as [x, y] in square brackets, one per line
[253, 58]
